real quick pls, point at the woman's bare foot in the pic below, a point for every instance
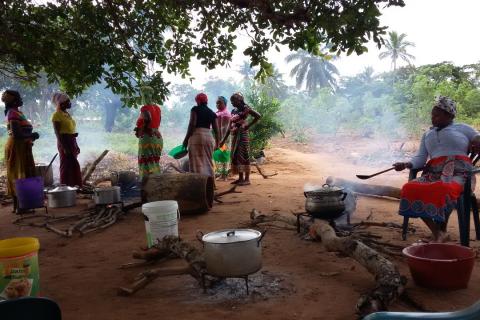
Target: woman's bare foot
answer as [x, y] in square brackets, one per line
[244, 183]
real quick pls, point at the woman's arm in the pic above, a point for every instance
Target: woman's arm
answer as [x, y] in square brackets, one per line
[146, 119]
[256, 116]
[418, 161]
[191, 127]
[17, 132]
[216, 134]
[227, 134]
[56, 128]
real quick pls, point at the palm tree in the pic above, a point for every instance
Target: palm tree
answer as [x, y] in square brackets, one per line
[247, 71]
[396, 47]
[312, 70]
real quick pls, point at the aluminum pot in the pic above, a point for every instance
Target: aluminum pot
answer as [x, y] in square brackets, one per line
[62, 196]
[232, 252]
[44, 170]
[106, 195]
[326, 202]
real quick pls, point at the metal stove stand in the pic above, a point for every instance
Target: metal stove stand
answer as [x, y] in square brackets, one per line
[312, 218]
[106, 205]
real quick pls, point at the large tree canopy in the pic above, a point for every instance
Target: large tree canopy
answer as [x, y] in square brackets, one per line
[80, 42]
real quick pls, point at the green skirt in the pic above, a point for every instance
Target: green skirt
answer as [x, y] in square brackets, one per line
[149, 152]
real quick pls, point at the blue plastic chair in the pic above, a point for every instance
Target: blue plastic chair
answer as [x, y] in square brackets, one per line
[30, 308]
[470, 313]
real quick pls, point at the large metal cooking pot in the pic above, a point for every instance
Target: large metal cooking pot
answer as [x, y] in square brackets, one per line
[326, 202]
[44, 170]
[106, 195]
[232, 252]
[62, 196]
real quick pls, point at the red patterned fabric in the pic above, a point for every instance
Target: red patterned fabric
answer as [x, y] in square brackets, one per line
[155, 116]
[435, 193]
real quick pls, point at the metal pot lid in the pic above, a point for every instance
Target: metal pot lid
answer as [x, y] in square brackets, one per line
[114, 188]
[62, 189]
[231, 236]
[325, 189]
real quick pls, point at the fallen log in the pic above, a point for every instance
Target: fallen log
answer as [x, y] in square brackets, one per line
[366, 189]
[193, 192]
[389, 283]
[90, 168]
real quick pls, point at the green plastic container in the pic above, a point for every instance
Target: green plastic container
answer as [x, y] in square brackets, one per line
[19, 272]
[178, 152]
[221, 156]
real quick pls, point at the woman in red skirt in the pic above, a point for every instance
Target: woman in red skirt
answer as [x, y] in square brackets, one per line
[443, 155]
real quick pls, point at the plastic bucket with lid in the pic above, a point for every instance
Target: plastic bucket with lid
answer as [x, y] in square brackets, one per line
[30, 193]
[161, 219]
[19, 273]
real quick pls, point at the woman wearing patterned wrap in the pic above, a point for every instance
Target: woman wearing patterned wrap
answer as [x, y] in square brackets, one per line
[433, 196]
[223, 122]
[150, 142]
[239, 126]
[18, 148]
[199, 138]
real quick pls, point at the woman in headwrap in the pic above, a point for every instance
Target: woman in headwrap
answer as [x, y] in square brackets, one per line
[240, 154]
[199, 138]
[150, 142]
[223, 122]
[433, 196]
[18, 148]
[66, 132]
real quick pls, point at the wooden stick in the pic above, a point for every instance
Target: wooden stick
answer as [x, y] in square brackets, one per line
[231, 190]
[260, 171]
[57, 231]
[150, 275]
[93, 166]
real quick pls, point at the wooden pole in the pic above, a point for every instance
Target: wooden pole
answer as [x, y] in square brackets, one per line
[91, 167]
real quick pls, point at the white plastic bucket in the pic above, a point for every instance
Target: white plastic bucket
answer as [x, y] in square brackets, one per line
[161, 219]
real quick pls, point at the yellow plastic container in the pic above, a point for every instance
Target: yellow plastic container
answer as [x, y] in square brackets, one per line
[19, 272]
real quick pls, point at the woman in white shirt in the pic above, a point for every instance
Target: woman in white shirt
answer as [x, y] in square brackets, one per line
[433, 196]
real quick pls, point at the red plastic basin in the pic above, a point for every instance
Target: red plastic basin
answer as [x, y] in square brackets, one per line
[440, 265]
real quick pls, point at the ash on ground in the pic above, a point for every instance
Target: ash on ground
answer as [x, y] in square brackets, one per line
[262, 286]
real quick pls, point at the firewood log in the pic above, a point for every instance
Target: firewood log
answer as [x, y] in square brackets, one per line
[389, 283]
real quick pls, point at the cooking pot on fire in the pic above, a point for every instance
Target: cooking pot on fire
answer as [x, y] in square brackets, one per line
[62, 196]
[326, 202]
[232, 252]
[106, 195]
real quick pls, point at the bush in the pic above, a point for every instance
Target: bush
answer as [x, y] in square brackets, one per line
[268, 125]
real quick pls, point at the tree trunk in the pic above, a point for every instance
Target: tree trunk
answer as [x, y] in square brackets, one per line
[193, 192]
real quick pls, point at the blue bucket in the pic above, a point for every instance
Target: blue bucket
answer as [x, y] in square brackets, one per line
[30, 193]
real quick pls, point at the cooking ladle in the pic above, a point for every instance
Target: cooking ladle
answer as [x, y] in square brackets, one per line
[50, 164]
[365, 177]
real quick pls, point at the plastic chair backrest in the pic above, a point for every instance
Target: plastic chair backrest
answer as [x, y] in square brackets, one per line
[470, 313]
[30, 308]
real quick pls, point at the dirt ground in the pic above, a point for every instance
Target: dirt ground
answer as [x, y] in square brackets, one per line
[299, 279]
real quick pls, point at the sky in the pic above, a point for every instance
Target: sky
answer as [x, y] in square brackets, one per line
[442, 30]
